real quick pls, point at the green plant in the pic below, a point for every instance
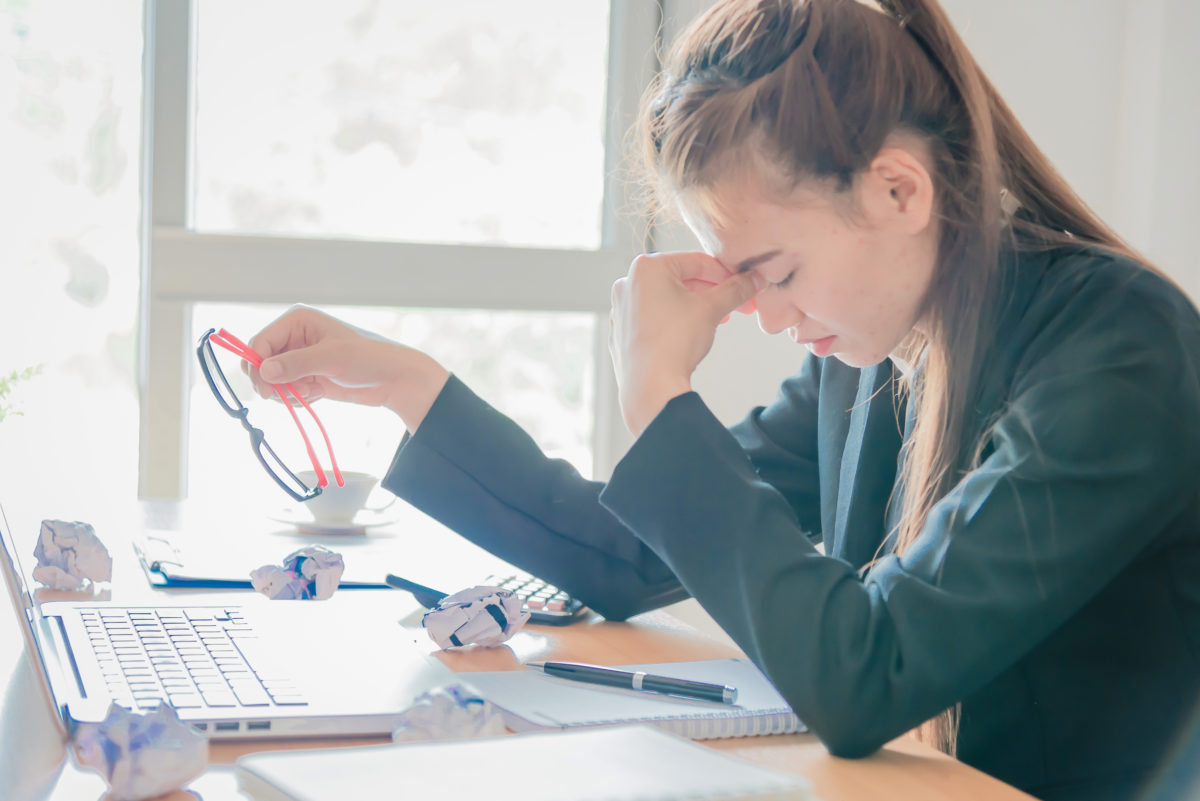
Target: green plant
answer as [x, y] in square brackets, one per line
[8, 383]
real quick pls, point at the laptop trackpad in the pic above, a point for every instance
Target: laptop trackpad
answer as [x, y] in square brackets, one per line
[342, 659]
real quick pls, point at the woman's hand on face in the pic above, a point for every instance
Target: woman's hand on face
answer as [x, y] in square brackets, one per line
[665, 313]
[323, 357]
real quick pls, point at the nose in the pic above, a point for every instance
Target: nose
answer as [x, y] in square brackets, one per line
[776, 314]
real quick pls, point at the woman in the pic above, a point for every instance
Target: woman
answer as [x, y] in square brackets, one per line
[995, 434]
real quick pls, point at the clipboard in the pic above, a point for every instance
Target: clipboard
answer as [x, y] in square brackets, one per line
[173, 562]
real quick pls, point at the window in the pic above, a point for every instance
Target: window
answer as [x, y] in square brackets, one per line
[70, 124]
[448, 176]
[469, 122]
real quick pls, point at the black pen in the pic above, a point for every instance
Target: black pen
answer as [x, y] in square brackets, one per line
[638, 680]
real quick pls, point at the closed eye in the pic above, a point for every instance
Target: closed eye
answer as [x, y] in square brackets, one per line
[786, 280]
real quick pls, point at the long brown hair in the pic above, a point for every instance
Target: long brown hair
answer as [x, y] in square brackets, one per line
[810, 90]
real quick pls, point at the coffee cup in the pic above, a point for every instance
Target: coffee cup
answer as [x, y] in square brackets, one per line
[339, 505]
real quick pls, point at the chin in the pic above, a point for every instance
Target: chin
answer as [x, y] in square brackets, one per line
[854, 359]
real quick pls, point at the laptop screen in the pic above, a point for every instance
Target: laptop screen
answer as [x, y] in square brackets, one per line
[23, 604]
[14, 577]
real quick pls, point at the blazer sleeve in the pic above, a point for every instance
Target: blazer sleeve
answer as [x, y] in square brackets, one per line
[476, 471]
[1092, 457]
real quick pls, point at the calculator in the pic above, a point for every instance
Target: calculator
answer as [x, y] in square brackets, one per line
[546, 604]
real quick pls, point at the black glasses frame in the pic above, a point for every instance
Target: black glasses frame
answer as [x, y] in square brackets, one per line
[258, 442]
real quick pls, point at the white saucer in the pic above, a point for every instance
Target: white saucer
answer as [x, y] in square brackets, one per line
[303, 520]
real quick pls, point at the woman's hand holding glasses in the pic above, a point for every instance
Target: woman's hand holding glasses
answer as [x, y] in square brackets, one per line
[323, 357]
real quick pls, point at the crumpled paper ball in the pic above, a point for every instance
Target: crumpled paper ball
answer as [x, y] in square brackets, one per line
[452, 712]
[69, 554]
[311, 572]
[480, 615]
[142, 755]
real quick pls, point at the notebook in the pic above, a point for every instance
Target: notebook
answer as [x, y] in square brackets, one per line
[629, 763]
[531, 700]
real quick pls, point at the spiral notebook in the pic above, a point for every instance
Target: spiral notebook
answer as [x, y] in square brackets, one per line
[630, 763]
[530, 700]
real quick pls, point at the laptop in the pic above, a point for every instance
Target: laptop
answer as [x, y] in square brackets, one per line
[264, 670]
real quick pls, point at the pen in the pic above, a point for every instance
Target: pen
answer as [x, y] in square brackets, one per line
[638, 680]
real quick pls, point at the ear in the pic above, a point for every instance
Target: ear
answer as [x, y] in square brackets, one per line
[899, 190]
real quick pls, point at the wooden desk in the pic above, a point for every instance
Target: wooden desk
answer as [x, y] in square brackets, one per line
[35, 763]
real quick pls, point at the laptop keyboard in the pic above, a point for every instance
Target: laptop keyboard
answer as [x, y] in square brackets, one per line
[191, 658]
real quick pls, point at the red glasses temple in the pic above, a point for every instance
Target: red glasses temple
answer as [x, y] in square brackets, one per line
[235, 345]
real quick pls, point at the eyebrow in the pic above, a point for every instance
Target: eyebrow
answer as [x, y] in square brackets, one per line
[754, 261]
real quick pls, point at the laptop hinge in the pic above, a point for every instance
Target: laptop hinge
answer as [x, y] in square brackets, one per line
[60, 674]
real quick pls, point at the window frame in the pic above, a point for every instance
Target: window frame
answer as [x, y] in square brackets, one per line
[181, 267]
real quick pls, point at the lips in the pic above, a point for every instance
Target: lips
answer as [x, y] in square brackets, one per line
[820, 347]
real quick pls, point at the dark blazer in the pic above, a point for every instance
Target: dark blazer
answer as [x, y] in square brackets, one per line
[1054, 592]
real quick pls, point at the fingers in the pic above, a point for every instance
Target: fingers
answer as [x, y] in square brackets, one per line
[297, 328]
[698, 269]
[618, 290]
[736, 293]
[698, 285]
[749, 307]
[293, 365]
[694, 269]
[722, 290]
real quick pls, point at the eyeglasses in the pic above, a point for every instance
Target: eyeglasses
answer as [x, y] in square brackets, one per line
[225, 395]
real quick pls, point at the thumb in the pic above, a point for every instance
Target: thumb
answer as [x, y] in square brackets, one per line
[291, 365]
[735, 291]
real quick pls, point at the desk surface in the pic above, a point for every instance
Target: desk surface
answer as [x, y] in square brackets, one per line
[35, 764]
